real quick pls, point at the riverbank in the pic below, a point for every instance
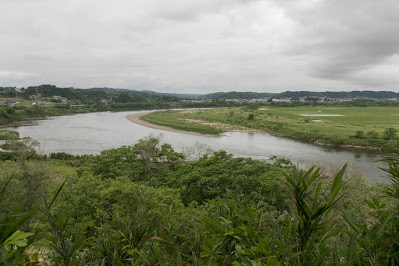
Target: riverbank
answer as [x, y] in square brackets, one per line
[349, 128]
[136, 118]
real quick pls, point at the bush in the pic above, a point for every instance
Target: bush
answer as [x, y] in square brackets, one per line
[390, 133]
[360, 134]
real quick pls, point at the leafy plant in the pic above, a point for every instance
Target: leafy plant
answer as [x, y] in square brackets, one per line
[64, 244]
[13, 241]
[314, 225]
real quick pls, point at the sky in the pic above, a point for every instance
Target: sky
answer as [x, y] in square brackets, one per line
[201, 46]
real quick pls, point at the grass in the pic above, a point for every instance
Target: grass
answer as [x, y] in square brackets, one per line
[8, 135]
[175, 120]
[287, 121]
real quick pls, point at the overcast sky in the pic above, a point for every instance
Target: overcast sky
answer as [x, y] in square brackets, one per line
[201, 46]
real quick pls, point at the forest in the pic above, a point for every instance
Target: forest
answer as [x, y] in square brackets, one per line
[147, 204]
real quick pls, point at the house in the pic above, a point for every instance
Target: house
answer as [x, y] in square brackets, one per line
[104, 101]
[284, 100]
[11, 102]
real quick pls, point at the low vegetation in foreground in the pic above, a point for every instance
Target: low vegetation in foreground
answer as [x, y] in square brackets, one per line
[146, 204]
[368, 127]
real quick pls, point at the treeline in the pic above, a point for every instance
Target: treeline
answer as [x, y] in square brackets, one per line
[94, 95]
[338, 94]
[146, 204]
[296, 95]
[128, 96]
[353, 103]
[237, 95]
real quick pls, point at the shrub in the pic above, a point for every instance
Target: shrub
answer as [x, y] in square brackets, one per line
[360, 134]
[390, 133]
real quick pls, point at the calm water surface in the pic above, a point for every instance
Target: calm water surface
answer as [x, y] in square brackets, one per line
[91, 133]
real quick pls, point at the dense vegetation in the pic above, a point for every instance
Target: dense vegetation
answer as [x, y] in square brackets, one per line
[369, 127]
[147, 204]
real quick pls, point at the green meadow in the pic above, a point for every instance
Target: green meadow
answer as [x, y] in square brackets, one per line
[369, 127]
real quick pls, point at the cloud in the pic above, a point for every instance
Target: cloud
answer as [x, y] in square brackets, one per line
[345, 37]
[201, 45]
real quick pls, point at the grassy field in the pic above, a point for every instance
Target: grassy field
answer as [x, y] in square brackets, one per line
[356, 126]
[176, 120]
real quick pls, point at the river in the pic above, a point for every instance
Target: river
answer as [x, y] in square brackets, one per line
[91, 133]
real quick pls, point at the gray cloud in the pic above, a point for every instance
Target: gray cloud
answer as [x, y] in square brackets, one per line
[201, 45]
[346, 36]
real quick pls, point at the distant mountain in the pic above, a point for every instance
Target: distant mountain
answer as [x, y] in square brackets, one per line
[339, 94]
[180, 95]
[237, 95]
[128, 95]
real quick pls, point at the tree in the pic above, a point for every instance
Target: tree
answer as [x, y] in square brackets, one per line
[390, 133]
[372, 134]
[154, 156]
[359, 134]
[138, 162]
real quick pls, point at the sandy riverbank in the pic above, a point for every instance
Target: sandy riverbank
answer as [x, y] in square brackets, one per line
[135, 118]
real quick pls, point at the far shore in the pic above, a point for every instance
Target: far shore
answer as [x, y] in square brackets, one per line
[135, 118]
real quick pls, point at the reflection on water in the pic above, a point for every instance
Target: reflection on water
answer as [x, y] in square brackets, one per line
[91, 133]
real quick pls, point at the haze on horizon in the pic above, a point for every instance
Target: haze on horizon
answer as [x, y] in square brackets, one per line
[201, 46]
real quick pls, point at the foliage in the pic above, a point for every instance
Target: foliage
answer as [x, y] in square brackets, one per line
[377, 242]
[390, 133]
[314, 225]
[8, 135]
[138, 161]
[64, 245]
[211, 176]
[360, 134]
[13, 241]
[146, 205]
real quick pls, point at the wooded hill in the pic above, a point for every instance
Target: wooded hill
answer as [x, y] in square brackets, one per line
[127, 96]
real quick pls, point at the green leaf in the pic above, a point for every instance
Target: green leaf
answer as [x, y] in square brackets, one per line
[338, 177]
[370, 204]
[271, 261]
[18, 238]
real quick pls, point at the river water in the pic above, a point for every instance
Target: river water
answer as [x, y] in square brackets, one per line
[91, 133]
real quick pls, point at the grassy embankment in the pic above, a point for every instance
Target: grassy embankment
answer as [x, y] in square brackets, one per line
[356, 127]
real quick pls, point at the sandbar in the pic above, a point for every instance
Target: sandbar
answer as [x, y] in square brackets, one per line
[135, 118]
